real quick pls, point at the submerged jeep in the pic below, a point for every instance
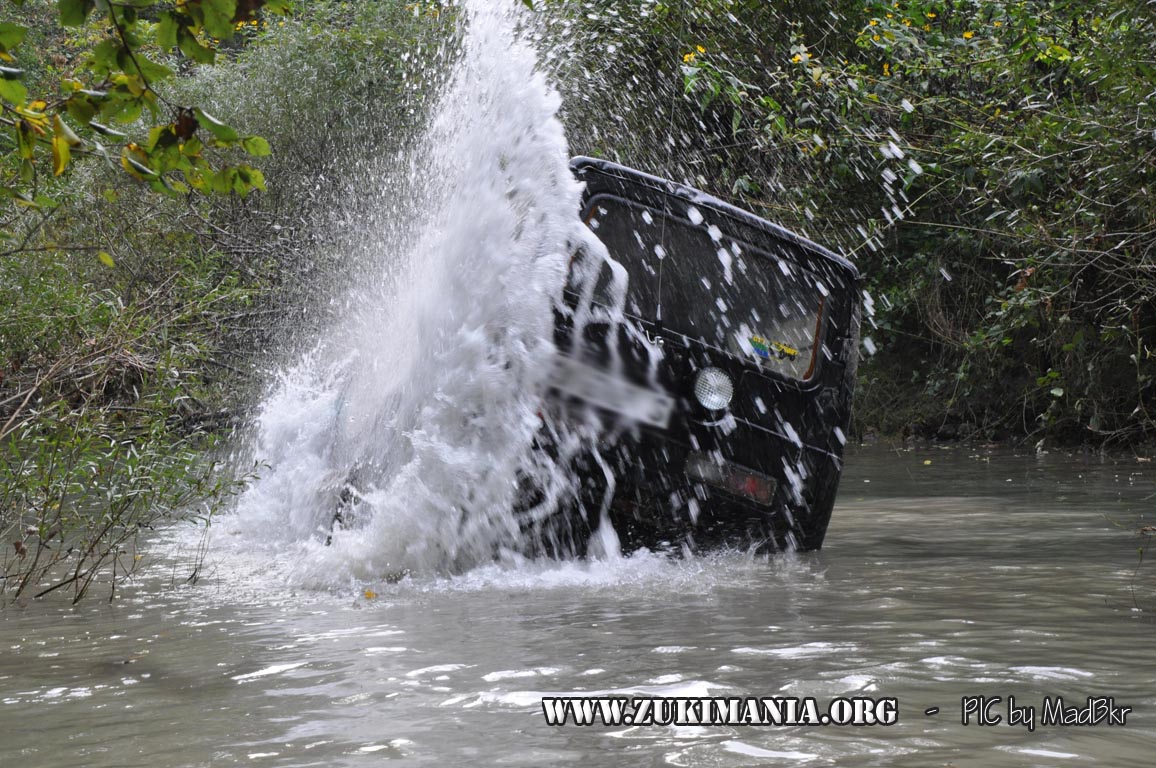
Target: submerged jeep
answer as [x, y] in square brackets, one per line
[718, 351]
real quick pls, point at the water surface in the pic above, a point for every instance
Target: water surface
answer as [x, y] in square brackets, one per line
[979, 573]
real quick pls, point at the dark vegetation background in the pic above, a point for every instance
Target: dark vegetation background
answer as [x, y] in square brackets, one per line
[987, 165]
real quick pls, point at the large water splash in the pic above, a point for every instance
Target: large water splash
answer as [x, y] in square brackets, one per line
[417, 415]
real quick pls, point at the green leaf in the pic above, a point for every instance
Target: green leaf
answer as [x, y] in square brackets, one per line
[197, 180]
[106, 259]
[246, 178]
[255, 178]
[13, 91]
[106, 56]
[124, 111]
[256, 146]
[242, 181]
[222, 180]
[219, 17]
[189, 46]
[25, 139]
[147, 68]
[529, 4]
[167, 28]
[152, 102]
[161, 184]
[80, 107]
[11, 35]
[193, 147]
[135, 167]
[770, 104]
[214, 126]
[74, 12]
[160, 137]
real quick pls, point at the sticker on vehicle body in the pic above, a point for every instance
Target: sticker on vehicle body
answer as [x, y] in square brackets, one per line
[766, 349]
[605, 390]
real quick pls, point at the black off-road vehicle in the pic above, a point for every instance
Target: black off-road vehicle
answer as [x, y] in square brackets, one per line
[719, 351]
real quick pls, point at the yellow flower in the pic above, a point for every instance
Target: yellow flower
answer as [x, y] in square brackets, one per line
[926, 27]
[930, 15]
[876, 38]
[796, 58]
[873, 22]
[968, 35]
[890, 16]
[700, 49]
[907, 22]
[998, 23]
[886, 68]
[688, 58]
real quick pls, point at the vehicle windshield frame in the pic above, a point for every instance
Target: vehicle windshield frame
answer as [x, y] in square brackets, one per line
[766, 265]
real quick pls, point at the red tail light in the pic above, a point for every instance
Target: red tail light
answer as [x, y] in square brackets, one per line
[736, 479]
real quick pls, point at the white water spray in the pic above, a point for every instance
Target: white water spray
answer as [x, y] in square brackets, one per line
[421, 406]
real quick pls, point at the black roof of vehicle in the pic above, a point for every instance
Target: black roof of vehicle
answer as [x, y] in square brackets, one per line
[606, 177]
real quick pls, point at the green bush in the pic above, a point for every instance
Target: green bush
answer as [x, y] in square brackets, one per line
[133, 324]
[986, 164]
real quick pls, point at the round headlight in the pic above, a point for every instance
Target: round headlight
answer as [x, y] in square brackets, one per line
[713, 388]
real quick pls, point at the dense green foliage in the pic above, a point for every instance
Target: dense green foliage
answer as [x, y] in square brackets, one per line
[114, 82]
[988, 166]
[132, 319]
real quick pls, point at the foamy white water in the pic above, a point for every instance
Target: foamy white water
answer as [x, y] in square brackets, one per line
[421, 405]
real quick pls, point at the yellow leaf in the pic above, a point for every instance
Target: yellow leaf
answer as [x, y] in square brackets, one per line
[61, 129]
[137, 169]
[926, 462]
[60, 154]
[106, 259]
